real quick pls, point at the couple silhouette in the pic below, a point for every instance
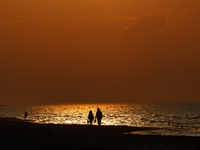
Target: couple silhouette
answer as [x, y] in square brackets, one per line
[98, 117]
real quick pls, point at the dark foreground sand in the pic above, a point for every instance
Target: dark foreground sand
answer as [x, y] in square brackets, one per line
[16, 134]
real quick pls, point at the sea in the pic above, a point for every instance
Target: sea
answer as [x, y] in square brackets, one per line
[165, 119]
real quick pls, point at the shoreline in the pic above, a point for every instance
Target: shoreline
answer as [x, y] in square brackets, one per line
[20, 134]
[125, 128]
[119, 128]
[122, 129]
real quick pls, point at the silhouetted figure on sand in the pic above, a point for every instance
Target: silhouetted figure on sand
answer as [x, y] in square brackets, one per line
[90, 117]
[98, 116]
[25, 115]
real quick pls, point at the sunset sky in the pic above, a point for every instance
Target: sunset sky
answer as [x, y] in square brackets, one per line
[99, 51]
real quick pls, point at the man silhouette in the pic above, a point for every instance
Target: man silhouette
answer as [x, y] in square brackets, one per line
[26, 114]
[98, 116]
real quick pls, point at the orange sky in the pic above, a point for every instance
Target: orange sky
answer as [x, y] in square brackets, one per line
[68, 51]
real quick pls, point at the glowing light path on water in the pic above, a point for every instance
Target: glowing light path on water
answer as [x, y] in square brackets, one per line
[175, 118]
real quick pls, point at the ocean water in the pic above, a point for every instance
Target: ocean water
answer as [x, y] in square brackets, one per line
[179, 119]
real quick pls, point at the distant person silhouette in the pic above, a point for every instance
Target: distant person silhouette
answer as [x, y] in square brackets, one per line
[90, 117]
[26, 114]
[98, 117]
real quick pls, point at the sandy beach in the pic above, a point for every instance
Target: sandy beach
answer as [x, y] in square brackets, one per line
[19, 134]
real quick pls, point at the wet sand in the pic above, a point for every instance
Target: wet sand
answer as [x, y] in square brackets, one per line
[18, 134]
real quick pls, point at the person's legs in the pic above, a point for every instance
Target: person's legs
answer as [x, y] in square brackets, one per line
[99, 122]
[90, 123]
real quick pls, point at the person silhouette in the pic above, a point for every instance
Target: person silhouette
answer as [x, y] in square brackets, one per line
[26, 114]
[90, 117]
[98, 116]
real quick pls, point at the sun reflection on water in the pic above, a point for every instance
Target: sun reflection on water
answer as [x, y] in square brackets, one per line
[169, 116]
[115, 114]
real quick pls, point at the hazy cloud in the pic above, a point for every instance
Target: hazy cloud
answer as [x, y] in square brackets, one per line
[148, 23]
[11, 21]
[124, 18]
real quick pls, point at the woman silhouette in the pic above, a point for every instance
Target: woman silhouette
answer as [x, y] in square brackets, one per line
[90, 117]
